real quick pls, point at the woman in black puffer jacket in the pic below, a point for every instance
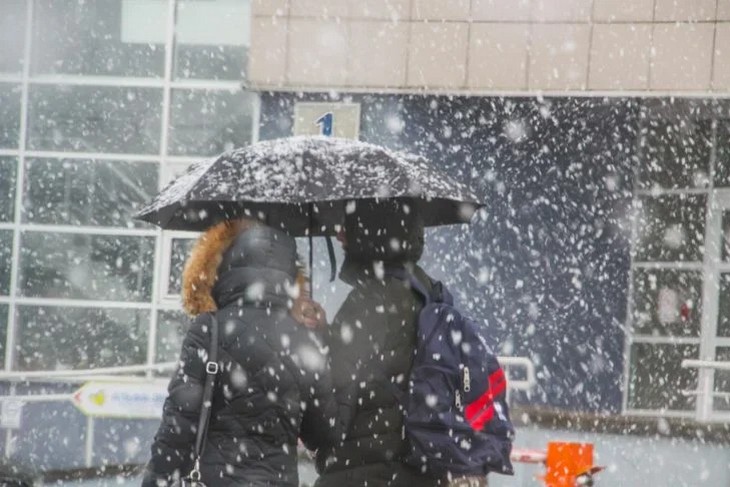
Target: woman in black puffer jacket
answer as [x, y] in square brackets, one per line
[274, 384]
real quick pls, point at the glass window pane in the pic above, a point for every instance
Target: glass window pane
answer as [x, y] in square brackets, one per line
[722, 381]
[94, 119]
[9, 115]
[103, 37]
[12, 35]
[171, 329]
[179, 250]
[657, 378]
[207, 122]
[723, 312]
[86, 266]
[212, 39]
[676, 154]
[671, 228]
[722, 147]
[8, 169]
[83, 192]
[667, 302]
[6, 259]
[50, 338]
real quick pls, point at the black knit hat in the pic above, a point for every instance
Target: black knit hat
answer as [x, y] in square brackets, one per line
[387, 230]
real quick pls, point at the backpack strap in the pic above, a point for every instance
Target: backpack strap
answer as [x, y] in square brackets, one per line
[416, 284]
[402, 274]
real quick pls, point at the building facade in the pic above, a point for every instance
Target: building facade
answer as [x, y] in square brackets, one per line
[598, 132]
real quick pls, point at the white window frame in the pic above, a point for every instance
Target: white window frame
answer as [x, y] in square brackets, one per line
[165, 296]
[630, 337]
[718, 203]
[718, 200]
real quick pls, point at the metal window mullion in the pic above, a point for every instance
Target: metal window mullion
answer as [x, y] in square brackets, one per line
[665, 340]
[165, 268]
[19, 179]
[129, 82]
[710, 288]
[206, 84]
[160, 251]
[660, 413]
[167, 77]
[710, 304]
[92, 80]
[17, 213]
[256, 117]
[628, 338]
[74, 303]
[721, 342]
[720, 417]
[669, 265]
[181, 234]
[11, 78]
[170, 304]
[102, 156]
[89, 230]
[183, 159]
[152, 331]
[654, 192]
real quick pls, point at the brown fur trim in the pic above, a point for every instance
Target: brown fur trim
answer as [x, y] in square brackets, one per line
[201, 268]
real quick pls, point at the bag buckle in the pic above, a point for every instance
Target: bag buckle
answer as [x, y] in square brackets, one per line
[211, 368]
[195, 472]
[194, 478]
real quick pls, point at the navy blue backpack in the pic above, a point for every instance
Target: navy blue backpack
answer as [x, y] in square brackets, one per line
[456, 416]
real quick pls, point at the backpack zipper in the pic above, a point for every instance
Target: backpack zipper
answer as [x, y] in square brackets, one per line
[467, 380]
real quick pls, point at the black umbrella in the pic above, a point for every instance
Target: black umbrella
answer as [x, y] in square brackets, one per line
[301, 184]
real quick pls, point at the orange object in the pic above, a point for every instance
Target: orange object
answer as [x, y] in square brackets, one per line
[569, 464]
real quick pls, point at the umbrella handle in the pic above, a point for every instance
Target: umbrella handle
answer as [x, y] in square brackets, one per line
[333, 259]
[311, 265]
[311, 251]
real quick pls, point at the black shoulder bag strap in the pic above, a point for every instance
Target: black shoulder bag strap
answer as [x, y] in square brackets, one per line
[211, 371]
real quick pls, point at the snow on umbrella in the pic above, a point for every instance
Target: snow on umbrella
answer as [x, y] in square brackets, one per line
[301, 184]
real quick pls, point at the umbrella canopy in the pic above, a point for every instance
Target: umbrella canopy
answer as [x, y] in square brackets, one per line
[302, 184]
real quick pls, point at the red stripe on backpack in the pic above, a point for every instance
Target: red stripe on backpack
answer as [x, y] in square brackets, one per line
[481, 411]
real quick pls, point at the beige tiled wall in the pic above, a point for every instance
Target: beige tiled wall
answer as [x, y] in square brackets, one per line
[492, 45]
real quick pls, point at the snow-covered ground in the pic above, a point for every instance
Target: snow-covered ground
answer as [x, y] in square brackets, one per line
[630, 461]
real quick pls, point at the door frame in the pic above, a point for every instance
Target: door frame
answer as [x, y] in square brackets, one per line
[713, 268]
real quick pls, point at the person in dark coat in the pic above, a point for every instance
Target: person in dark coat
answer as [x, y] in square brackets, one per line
[274, 383]
[372, 339]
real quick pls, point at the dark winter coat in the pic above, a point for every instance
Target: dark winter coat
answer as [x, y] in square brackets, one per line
[372, 339]
[274, 385]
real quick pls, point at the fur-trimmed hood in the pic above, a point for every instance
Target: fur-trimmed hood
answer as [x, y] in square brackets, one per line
[242, 261]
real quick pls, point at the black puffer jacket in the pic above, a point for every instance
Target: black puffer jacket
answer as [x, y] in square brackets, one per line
[274, 385]
[372, 339]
